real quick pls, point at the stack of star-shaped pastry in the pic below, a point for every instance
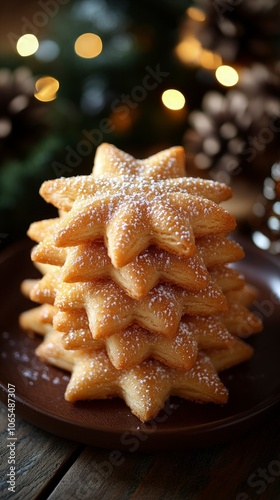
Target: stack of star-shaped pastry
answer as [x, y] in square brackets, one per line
[138, 299]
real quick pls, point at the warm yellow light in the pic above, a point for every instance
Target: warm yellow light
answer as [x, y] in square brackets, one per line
[46, 87]
[189, 50]
[196, 14]
[227, 76]
[27, 45]
[88, 45]
[173, 99]
[210, 60]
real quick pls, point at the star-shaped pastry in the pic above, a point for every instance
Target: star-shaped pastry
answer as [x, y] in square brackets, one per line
[246, 296]
[138, 277]
[240, 321]
[135, 344]
[44, 290]
[238, 352]
[51, 351]
[132, 346]
[131, 214]
[38, 319]
[111, 310]
[217, 250]
[90, 262]
[137, 301]
[43, 232]
[163, 305]
[144, 388]
[227, 278]
[110, 161]
[63, 192]
[40, 230]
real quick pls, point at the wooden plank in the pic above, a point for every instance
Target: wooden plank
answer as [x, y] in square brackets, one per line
[250, 467]
[38, 456]
[103, 474]
[50, 467]
[226, 472]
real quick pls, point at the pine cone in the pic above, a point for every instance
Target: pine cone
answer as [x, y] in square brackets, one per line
[236, 133]
[266, 213]
[245, 31]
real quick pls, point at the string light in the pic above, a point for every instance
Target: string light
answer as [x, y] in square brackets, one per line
[27, 45]
[227, 76]
[173, 99]
[88, 45]
[46, 88]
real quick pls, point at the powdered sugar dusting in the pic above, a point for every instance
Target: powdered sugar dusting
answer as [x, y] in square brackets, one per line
[135, 283]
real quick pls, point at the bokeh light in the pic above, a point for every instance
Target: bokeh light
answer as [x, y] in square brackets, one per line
[210, 60]
[173, 99]
[88, 45]
[260, 240]
[227, 76]
[48, 51]
[189, 50]
[196, 14]
[5, 127]
[46, 88]
[276, 207]
[27, 45]
[18, 103]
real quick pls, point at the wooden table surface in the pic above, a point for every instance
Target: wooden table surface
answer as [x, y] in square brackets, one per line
[50, 467]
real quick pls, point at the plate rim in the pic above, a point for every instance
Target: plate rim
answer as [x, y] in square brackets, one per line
[270, 401]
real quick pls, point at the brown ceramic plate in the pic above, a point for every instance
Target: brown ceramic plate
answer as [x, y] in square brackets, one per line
[254, 386]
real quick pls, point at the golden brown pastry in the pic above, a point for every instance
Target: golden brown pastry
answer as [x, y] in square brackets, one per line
[144, 388]
[90, 261]
[138, 296]
[130, 214]
[134, 344]
[110, 161]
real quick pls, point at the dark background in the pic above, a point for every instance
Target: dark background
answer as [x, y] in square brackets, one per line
[230, 134]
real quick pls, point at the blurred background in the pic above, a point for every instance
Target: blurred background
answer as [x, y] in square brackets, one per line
[144, 76]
